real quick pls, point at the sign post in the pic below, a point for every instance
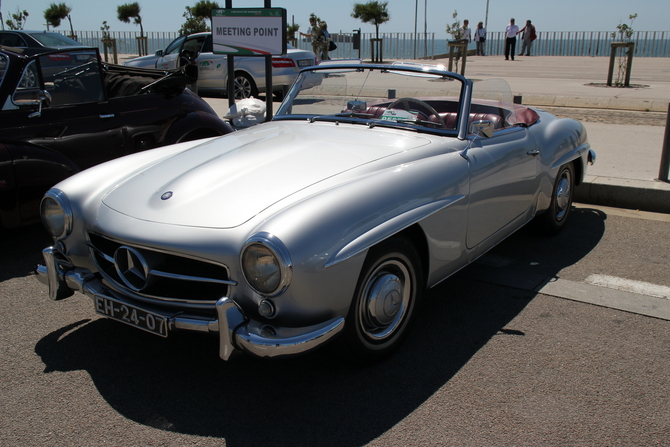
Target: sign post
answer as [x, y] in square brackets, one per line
[249, 32]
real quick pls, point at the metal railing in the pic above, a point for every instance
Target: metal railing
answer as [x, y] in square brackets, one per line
[584, 43]
[425, 45]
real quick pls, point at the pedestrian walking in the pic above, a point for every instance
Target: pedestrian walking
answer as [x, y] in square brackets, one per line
[480, 38]
[510, 39]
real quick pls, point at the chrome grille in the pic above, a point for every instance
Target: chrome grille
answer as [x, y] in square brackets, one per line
[155, 275]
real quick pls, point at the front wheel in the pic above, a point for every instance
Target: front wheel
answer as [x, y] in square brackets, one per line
[556, 217]
[385, 302]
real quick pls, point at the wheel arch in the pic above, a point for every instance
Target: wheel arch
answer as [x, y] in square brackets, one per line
[417, 237]
[192, 123]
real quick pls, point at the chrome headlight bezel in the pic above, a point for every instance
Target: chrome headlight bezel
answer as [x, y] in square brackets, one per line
[280, 257]
[56, 214]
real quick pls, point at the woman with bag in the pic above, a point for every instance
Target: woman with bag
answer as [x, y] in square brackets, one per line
[326, 44]
[480, 38]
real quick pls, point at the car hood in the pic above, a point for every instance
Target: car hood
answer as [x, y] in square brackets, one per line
[224, 182]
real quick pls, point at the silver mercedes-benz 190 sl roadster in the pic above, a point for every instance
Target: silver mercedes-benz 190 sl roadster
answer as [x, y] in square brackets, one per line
[327, 222]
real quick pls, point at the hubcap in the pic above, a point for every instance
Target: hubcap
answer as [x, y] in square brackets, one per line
[563, 194]
[29, 79]
[385, 301]
[242, 88]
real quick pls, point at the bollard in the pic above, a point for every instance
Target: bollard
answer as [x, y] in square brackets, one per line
[665, 151]
[517, 99]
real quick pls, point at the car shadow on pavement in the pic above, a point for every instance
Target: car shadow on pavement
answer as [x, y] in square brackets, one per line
[179, 384]
[21, 249]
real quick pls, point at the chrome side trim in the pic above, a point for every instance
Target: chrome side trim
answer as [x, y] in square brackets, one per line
[390, 227]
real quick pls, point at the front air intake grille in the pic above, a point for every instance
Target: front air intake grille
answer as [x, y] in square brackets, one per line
[160, 276]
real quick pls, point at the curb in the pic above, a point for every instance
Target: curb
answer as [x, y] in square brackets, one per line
[643, 195]
[596, 103]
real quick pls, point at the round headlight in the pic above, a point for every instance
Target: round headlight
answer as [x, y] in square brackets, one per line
[56, 214]
[266, 265]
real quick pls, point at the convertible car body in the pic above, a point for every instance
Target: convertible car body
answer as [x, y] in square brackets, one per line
[327, 222]
[65, 111]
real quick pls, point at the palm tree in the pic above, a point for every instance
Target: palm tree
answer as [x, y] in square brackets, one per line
[129, 11]
[197, 17]
[374, 12]
[57, 12]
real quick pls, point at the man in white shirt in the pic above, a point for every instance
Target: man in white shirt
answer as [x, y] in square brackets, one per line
[467, 36]
[510, 42]
[467, 33]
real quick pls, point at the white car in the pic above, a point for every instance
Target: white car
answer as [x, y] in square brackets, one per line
[212, 68]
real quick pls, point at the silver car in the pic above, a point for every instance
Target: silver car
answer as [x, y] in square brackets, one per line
[327, 222]
[213, 70]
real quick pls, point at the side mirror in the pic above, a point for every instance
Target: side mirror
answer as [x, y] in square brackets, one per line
[158, 53]
[43, 98]
[482, 128]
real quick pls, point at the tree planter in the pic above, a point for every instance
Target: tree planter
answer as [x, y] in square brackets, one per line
[456, 49]
[110, 44]
[629, 64]
[376, 50]
[142, 46]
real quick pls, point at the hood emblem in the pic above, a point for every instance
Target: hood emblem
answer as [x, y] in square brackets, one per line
[132, 268]
[166, 195]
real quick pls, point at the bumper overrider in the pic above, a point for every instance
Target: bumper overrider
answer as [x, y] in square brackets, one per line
[234, 329]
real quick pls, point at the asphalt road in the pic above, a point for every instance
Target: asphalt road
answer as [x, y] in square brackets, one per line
[486, 363]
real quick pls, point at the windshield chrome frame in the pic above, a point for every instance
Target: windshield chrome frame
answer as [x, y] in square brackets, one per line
[410, 69]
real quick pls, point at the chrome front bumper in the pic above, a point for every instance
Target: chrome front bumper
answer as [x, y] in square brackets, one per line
[234, 329]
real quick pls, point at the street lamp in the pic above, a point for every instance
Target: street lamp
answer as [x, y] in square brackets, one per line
[416, 11]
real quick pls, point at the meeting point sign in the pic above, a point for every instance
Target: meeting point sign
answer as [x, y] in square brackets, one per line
[249, 31]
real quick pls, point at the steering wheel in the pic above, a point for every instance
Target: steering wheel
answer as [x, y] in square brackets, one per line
[407, 101]
[185, 58]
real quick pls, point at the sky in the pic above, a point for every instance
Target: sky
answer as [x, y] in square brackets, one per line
[432, 15]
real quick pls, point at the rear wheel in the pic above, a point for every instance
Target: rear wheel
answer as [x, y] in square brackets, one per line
[385, 302]
[556, 217]
[245, 87]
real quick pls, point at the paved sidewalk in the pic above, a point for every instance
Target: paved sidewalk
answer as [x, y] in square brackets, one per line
[628, 156]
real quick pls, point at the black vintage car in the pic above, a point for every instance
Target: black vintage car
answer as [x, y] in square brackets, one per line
[65, 111]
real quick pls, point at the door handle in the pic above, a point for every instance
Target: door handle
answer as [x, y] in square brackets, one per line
[107, 115]
[533, 153]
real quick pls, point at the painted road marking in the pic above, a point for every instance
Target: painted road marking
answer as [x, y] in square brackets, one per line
[637, 303]
[628, 285]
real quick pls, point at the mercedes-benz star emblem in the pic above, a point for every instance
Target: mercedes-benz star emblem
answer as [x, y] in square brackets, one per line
[131, 267]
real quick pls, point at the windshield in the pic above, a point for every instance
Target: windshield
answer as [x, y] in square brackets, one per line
[403, 95]
[54, 40]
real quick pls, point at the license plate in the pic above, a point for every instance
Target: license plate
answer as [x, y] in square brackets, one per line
[134, 316]
[304, 62]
